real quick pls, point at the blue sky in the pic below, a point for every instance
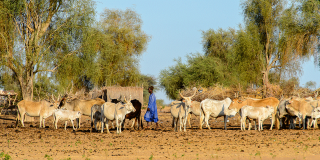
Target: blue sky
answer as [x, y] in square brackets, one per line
[176, 30]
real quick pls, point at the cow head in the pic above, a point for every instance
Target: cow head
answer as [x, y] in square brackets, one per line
[129, 105]
[188, 100]
[235, 104]
[270, 109]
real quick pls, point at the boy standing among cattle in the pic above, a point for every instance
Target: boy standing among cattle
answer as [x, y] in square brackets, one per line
[152, 113]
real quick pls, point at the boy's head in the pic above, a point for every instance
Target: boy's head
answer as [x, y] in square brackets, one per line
[150, 89]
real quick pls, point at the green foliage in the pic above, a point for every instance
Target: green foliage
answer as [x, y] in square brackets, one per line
[118, 42]
[171, 79]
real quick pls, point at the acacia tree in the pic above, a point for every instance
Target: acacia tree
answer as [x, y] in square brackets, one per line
[286, 35]
[40, 36]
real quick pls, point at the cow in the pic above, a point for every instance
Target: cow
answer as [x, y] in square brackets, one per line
[180, 111]
[42, 109]
[84, 106]
[314, 115]
[65, 115]
[271, 101]
[136, 116]
[195, 110]
[117, 112]
[301, 108]
[258, 113]
[215, 108]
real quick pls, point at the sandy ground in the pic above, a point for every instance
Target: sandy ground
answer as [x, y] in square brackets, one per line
[32, 142]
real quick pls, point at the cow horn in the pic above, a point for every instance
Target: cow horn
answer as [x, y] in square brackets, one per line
[181, 94]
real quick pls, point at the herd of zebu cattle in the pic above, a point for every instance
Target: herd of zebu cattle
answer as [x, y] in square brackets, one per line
[281, 113]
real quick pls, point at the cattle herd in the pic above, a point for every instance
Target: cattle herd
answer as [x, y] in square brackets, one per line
[281, 112]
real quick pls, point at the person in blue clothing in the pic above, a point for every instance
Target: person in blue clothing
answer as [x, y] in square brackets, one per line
[152, 113]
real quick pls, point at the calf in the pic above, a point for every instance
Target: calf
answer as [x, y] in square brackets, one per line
[215, 108]
[259, 113]
[117, 112]
[270, 101]
[65, 115]
[84, 106]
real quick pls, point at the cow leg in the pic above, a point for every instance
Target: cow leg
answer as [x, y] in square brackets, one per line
[304, 122]
[40, 121]
[242, 124]
[176, 124]
[225, 122]
[102, 124]
[207, 120]
[72, 124]
[65, 124]
[79, 120]
[272, 121]
[55, 122]
[43, 123]
[188, 118]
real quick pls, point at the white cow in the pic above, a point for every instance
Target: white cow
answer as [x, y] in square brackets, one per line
[117, 112]
[65, 115]
[314, 115]
[42, 109]
[259, 113]
[215, 108]
[180, 110]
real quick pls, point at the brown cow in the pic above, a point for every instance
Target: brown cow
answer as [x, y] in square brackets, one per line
[42, 109]
[271, 101]
[84, 106]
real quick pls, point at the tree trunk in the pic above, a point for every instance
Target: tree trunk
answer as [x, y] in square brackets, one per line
[265, 82]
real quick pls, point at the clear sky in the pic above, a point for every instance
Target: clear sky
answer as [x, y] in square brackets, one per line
[176, 30]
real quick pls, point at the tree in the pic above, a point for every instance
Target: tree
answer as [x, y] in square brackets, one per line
[284, 34]
[119, 43]
[41, 36]
[311, 85]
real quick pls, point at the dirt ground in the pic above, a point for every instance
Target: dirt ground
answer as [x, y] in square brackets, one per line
[31, 142]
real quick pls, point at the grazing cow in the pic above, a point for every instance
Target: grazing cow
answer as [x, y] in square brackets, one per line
[259, 113]
[215, 108]
[117, 112]
[84, 106]
[42, 109]
[271, 101]
[180, 110]
[65, 115]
